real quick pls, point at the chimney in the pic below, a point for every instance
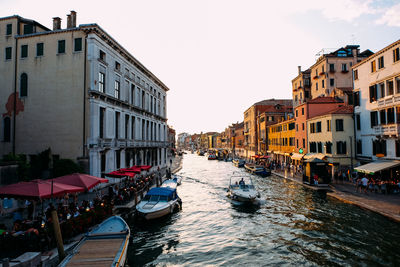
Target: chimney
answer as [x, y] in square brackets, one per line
[68, 21]
[73, 19]
[299, 67]
[56, 23]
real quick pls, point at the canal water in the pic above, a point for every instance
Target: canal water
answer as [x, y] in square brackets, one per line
[295, 226]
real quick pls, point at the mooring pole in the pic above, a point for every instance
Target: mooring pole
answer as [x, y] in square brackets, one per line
[58, 236]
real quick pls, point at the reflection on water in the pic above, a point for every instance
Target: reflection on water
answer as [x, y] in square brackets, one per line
[295, 226]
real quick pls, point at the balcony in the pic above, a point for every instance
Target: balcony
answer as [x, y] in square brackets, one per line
[322, 73]
[315, 77]
[389, 129]
[389, 101]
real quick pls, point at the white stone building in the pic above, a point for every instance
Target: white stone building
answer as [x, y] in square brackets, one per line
[80, 93]
[377, 105]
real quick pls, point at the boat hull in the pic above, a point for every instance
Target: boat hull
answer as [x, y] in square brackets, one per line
[151, 215]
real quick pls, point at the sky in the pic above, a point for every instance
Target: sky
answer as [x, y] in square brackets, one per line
[219, 57]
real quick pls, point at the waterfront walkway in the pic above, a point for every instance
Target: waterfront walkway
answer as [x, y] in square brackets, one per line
[386, 205]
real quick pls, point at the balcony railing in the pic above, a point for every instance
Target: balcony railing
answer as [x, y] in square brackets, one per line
[389, 101]
[122, 143]
[389, 129]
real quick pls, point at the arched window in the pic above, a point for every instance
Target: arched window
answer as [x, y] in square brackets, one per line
[24, 85]
[7, 129]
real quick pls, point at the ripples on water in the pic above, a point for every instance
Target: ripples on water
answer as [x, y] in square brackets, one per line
[296, 226]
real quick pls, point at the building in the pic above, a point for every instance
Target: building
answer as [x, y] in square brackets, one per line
[250, 123]
[281, 142]
[171, 139]
[270, 116]
[377, 105]
[331, 137]
[332, 72]
[301, 87]
[80, 93]
[181, 140]
[239, 140]
[302, 113]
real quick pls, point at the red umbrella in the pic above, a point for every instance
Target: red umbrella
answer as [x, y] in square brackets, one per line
[37, 189]
[145, 167]
[132, 169]
[79, 179]
[117, 174]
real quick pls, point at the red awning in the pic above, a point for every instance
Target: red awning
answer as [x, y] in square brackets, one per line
[82, 180]
[145, 167]
[132, 169]
[256, 156]
[265, 157]
[38, 189]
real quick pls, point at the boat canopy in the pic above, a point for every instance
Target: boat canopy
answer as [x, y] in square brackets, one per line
[162, 191]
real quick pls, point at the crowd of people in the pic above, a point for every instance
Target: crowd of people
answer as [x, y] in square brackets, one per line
[370, 184]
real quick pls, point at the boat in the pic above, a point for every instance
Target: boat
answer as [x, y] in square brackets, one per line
[158, 202]
[212, 157]
[242, 191]
[105, 245]
[238, 163]
[177, 179]
[171, 183]
[257, 169]
[200, 152]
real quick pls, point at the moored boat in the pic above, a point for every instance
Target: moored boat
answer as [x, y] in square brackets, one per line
[257, 169]
[105, 245]
[242, 191]
[158, 202]
[212, 157]
[238, 163]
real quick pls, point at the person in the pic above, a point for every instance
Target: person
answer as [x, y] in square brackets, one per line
[358, 184]
[315, 179]
[364, 184]
[241, 182]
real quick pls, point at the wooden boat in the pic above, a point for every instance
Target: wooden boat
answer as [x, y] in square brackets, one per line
[158, 202]
[105, 245]
[238, 163]
[257, 170]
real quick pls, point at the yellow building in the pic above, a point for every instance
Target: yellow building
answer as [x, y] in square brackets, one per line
[281, 138]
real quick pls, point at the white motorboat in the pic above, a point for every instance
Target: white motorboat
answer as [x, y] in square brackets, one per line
[177, 179]
[171, 183]
[242, 190]
[158, 202]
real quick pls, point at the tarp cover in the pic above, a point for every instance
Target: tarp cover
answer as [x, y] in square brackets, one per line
[376, 166]
[162, 191]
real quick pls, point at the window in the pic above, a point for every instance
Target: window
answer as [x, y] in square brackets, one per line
[339, 125]
[397, 147]
[313, 147]
[344, 67]
[297, 143]
[302, 111]
[382, 90]
[302, 126]
[379, 147]
[117, 87]
[133, 128]
[297, 113]
[132, 94]
[102, 56]
[373, 66]
[78, 44]
[331, 67]
[39, 49]
[331, 82]
[356, 97]
[396, 55]
[8, 53]
[328, 147]
[323, 83]
[297, 127]
[24, 85]
[9, 29]
[373, 93]
[397, 85]
[102, 79]
[117, 65]
[390, 115]
[28, 28]
[355, 72]
[6, 129]
[126, 125]
[341, 147]
[374, 118]
[304, 142]
[318, 128]
[390, 87]
[117, 114]
[312, 127]
[103, 163]
[382, 115]
[328, 125]
[319, 147]
[24, 51]
[101, 122]
[381, 63]
[316, 86]
[61, 47]
[359, 147]
[118, 158]
[358, 122]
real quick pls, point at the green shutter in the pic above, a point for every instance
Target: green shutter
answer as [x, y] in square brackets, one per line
[24, 51]
[61, 46]
[24, 85]
[8, 53]
[78, 44]
[9, 29]
[39, 49]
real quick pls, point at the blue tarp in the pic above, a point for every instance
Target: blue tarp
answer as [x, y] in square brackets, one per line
[162, 191]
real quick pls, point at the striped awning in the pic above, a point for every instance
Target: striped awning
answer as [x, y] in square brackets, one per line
[314, 156]
[377, 166]
[297, 156]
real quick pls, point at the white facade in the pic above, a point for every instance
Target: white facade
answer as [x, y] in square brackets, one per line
[377, 117]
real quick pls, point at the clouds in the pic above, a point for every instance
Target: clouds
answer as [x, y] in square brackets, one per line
[390, 17]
